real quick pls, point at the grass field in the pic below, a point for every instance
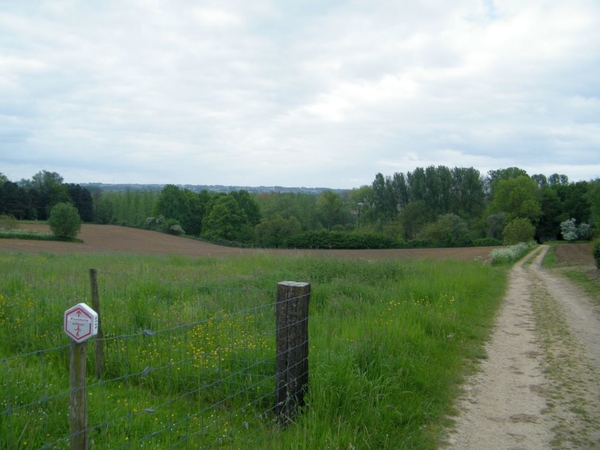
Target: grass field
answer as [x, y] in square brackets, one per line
[390, 342]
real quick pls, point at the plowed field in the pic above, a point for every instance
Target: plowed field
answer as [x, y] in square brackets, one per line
[111, 239]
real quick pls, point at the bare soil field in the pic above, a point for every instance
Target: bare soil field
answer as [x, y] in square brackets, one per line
[574, 254]
[116, 239]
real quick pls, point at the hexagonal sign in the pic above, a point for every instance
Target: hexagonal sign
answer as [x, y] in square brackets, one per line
[81, 322]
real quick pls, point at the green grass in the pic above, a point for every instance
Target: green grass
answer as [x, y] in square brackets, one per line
[390, 343]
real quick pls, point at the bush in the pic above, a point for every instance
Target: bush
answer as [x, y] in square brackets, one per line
[518, 230]
[64, 220]
[8, 222]
[486, 242]
[338, 240]
[172, 226]
[512, 254]
[596, 252]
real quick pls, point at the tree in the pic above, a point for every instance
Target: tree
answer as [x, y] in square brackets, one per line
[449, 230]
[182, 205]
[518, 230]
[495, 176]
[548, 226]
[64, 220]
[248, 205]
[82, 200]
[412, 218]
[518, 198]
[225, 220]
[330, 210]
[276, 231]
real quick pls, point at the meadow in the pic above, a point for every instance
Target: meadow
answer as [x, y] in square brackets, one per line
[190, 349]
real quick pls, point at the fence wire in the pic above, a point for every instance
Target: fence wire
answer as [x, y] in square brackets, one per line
[186, 364]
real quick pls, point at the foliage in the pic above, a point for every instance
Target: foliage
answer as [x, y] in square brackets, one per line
[568, 228]
[596, 252]
[8, 222]
[172, 226]
[571, 231]
[64, 220]
[225, 220]
[449, 230]
[486, 242]
[511, 254]
[518, 198]
[518, 230]
[339, 240]
[277, 231]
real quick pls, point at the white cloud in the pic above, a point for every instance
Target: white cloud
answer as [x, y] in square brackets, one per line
[234, 90]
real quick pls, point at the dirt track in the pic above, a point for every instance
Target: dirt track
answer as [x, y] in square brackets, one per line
[109, 238]
[539, 388]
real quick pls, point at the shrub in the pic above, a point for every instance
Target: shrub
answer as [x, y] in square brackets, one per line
[172, 226]
[8, 222]
[596, 252]
[486, 242]
[64, 220]
[568, 229]
[518, 230]
[509, 255]
[337, 240]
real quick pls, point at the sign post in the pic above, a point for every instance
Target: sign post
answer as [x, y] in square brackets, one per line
[80, 324]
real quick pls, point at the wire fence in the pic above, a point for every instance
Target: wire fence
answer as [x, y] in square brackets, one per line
[184, 365]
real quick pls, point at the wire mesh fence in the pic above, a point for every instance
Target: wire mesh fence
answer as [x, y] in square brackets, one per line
[185, 364]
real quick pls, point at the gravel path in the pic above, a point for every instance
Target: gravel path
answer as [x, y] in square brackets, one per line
[539, 387]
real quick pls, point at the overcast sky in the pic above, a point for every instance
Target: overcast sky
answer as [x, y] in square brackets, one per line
[314, 93]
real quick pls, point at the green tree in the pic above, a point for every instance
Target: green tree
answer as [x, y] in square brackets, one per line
[518, 198]
[182, 205]
[64, 220]
[413, 218]
[249, 206]
[449, 230]
[330, 210]
[548, 226]
[495, 176]
[225, 220]
[518, 230]
[276, 231]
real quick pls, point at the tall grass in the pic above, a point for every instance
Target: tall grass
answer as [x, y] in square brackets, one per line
[390, 342]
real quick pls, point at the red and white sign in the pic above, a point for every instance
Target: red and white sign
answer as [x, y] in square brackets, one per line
[81, 322]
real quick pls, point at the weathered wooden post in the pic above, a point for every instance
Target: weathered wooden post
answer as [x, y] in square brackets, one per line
[96, 307]
[80, 324]
[293, 300]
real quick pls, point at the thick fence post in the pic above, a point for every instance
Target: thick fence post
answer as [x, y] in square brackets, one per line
[78, 406]
[99, 339]
[293, 300]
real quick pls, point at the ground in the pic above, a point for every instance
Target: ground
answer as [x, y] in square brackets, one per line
[109, 238]
[538, 388]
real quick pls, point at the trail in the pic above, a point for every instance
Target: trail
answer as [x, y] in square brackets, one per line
[539, 387]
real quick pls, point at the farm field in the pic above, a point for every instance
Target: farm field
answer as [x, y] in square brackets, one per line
[191, 344]
[109, 239]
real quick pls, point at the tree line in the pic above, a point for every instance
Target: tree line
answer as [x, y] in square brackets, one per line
[432, 206]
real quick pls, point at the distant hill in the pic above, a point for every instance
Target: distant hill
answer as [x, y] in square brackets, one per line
[202, 187]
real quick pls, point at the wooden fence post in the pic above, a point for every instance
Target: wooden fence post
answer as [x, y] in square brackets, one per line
[293, 300]
[99, 337]
[78, 406]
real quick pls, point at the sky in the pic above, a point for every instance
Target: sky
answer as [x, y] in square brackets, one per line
[306, 93]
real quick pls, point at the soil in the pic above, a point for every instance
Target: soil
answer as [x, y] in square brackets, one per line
[538, 388]
[110, 239]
